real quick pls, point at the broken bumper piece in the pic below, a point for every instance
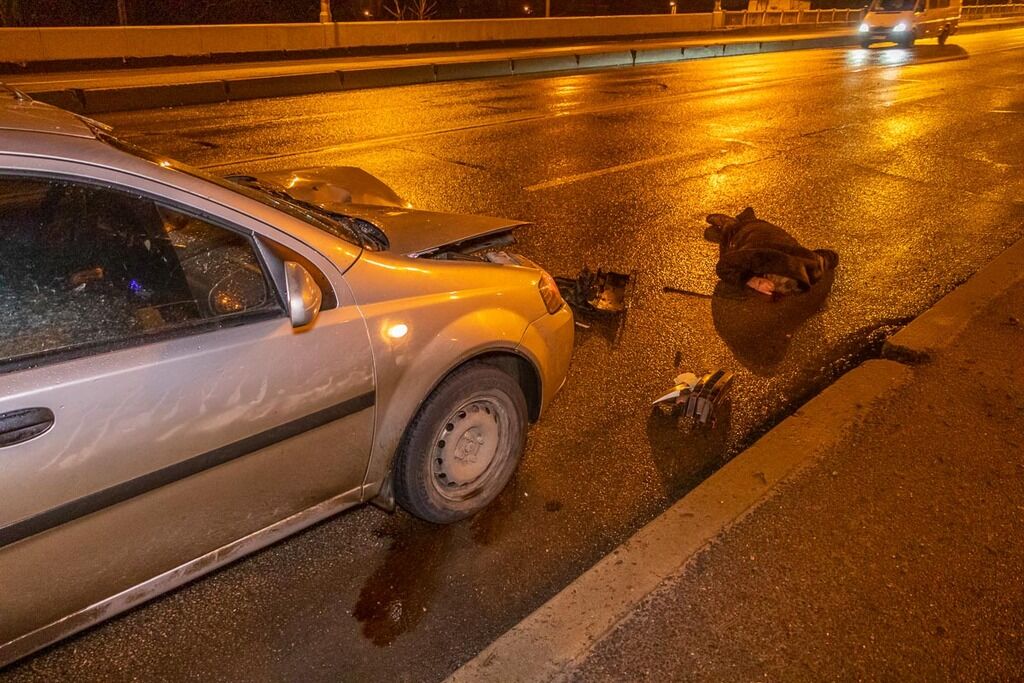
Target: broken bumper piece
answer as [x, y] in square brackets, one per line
[699, 397]
[600, 291]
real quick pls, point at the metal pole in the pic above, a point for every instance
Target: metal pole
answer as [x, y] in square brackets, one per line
[325, 12]
[122, 12]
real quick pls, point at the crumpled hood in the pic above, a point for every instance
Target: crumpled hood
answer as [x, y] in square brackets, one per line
[354, 192]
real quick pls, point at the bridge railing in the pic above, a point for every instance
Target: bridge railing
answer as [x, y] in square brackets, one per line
[976, 12]
[70, 44]
[810, 17]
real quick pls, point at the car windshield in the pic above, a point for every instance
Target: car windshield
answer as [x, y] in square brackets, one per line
[893, 5]
[276, 200]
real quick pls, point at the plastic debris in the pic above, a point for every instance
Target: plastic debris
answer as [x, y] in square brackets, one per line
[699, 397]
[600, 291]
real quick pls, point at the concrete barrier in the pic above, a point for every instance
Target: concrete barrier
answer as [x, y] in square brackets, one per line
[72, 99]
[98, 100]
[703, 51]
[601, 60]
[732, 49]
[70, 44]
[777, 45]
[27, 45]
[358, 79]
[20, 45]
[534, 65]
[161, 41]
[283, 86]
[469, 31]
[489, 69]
[67, 44]
[673, 54]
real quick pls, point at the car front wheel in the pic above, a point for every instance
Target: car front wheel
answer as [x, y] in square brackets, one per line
[462, 447]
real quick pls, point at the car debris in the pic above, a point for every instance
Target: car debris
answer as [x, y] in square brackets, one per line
[699, 397]
[601, 291]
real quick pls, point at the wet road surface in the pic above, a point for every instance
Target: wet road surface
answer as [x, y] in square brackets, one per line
[910, 163]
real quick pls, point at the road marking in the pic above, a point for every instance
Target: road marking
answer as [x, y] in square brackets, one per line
[511, 120]
[565, 180]
[808, 74]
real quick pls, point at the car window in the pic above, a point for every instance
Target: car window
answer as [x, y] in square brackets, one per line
[82, 265]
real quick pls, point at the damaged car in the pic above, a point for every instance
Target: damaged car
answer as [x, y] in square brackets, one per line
[195, 367]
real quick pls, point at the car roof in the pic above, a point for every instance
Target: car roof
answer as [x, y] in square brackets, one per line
[20, 112]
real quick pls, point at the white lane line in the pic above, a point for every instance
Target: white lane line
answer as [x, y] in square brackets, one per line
[514, 120]
[566, 180]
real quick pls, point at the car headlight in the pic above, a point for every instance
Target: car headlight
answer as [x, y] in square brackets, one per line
[553, 300]
[864, 28]
[899, 28]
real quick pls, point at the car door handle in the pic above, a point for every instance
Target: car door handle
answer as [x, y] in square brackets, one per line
[21, 425]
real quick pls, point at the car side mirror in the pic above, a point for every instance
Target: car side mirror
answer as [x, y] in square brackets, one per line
[303, 295]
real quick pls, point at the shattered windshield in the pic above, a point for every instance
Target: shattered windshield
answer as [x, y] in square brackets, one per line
[275, 200]
[331, 221]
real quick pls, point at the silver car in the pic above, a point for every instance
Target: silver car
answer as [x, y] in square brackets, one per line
[192, 368]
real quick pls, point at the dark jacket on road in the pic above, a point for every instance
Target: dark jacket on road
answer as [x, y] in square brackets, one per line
[750, 247]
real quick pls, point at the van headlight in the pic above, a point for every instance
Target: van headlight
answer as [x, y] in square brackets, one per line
[900, 27]
[864, 28]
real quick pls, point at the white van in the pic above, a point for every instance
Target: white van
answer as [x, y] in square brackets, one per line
[904, 21]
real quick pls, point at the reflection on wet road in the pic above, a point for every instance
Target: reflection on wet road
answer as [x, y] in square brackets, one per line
[909, 163]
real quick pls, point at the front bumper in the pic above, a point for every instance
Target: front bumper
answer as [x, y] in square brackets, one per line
[548, 341]
[884, 35]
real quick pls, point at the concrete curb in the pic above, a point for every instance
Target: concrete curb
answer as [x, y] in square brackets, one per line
[559, 633]
[939, 326]
[468, 70]
[101, 100]
[358, 79]
[564, 629]
[279, 86]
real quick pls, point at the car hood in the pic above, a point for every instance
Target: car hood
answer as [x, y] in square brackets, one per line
[353, 192]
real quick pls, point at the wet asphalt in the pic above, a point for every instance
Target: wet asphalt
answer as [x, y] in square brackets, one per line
[909, 163]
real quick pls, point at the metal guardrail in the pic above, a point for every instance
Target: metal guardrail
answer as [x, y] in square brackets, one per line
[849, 16]
[976, 12]
[811, 17]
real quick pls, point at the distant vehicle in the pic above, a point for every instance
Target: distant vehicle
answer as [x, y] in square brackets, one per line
[193, 367]
[905, 21]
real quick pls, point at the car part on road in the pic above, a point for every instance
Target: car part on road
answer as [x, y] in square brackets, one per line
[601, 291]
[699, 397]
[460, 451]
[685, 292]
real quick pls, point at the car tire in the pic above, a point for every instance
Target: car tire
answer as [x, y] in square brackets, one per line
[944, 36]
[908, 41]
[463, 446]
[865, 44]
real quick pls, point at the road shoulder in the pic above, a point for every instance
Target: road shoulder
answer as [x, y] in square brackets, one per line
[565, 632]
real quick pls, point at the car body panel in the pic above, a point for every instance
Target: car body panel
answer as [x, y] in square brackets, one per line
[334, 186]
[29, 116]
[354, 192]
[170, 457]
[125, 416]
[447, 324]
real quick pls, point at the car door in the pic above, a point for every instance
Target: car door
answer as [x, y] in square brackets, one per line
[159, 415]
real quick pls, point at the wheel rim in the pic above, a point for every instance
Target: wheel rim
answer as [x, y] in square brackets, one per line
[470, 447]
